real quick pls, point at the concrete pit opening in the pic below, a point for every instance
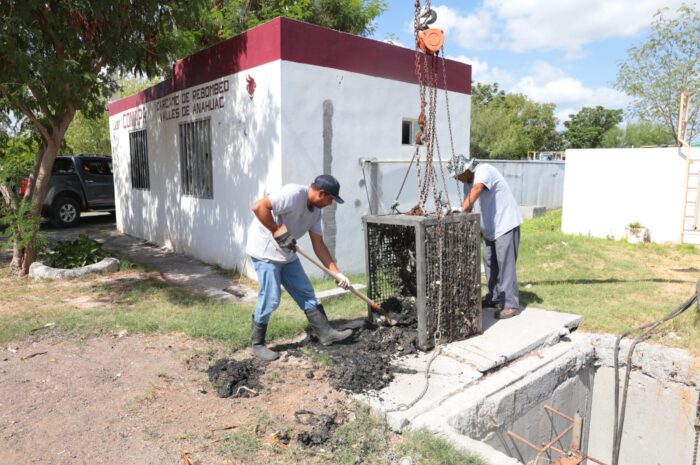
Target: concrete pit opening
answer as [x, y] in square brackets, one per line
[549, 399]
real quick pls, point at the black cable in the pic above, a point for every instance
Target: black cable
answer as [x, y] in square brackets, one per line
[647, 330]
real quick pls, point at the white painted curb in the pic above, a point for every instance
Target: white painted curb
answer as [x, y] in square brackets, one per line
[38, 270]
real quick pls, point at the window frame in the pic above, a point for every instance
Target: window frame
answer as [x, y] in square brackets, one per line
[413, 130]
[143, 172]
[196, 173]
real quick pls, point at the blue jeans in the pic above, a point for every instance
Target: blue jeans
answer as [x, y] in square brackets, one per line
[290, 275]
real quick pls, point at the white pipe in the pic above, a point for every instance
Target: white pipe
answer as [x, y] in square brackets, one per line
[397, 161]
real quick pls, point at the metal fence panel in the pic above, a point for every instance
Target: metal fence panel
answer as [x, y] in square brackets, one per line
[533, 182]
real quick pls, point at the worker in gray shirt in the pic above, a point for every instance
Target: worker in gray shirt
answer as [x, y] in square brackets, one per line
[487, 192]
[280, 219]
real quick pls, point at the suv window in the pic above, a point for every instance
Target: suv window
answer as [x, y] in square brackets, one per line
[63, 166]
[99, 167]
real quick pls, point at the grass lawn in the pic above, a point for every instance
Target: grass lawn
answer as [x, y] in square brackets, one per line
[613, 284]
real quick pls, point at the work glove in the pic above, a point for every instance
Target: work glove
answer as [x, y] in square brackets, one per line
[285, 240]
[342, 281]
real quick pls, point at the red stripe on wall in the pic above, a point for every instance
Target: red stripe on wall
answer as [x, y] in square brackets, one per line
[315, 45]
[252, 48]
[290, 40]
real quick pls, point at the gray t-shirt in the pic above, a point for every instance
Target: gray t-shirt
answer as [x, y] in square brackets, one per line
[498, 208]
[289, 207]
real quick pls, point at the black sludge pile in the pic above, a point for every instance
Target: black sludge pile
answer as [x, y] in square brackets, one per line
[236, 378]
[363, 362]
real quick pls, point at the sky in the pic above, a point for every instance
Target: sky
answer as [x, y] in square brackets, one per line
[564, 52]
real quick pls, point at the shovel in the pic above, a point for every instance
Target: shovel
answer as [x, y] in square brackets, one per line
[372, 304]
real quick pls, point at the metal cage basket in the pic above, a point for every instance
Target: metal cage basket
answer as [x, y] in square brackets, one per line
[403, 260]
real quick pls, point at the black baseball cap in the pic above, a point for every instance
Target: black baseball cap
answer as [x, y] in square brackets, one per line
[329, 185]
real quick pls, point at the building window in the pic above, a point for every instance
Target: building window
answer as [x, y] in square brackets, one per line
[409, 128]
[138, 146]
[195, 158]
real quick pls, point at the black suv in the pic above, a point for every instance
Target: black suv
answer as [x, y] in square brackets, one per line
[78, 183]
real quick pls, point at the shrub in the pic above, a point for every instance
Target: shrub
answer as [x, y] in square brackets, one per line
[76, 253]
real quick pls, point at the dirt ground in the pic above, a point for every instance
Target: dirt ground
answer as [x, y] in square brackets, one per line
[137, 399]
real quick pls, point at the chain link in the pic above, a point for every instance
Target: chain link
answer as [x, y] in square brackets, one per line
[449, 124]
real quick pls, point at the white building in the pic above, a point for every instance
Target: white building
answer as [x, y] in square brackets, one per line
[279, 104]
[607, 190]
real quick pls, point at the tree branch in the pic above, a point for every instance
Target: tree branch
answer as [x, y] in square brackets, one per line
[28, 113]
[43, 107]
[57, 45]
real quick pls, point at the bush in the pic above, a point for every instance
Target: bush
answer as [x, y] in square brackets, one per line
[74, 254]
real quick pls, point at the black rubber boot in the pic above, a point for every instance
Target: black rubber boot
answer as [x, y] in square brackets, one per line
[323, 330]
[257, 335]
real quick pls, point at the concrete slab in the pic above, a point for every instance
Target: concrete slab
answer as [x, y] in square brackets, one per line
[457, 366]
[447, 377]
[512, 398]
[337, 292]
[507, 340]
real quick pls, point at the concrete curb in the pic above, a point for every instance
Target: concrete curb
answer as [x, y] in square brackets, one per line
[38, 270]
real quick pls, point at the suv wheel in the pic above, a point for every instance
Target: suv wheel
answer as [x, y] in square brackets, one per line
[65, 212]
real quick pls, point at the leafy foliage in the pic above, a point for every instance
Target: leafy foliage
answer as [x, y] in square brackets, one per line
[89, 135]
[656, 72]
[75, 253]
[23, 226]
[228, 18]
[637, 134]
[16, 158]
[59, 57]
[509, 125]
[586, 128]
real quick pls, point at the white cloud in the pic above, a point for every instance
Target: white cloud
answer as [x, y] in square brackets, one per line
[472, 31]
[522, 25]
[549, 84]
[485, 74]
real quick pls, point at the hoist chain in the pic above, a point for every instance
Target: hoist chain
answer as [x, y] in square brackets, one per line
[449, 127]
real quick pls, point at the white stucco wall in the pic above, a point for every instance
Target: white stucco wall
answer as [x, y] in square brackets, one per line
[367, 113]
[246, 151]
[607, 189]
[275, 138]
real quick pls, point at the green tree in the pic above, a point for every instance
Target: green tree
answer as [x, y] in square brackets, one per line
[91, 135]
[657, 72]
[507, 126]
[59, 57]
[17, 148]
[585, 129]
[231, 17]
[637, 134]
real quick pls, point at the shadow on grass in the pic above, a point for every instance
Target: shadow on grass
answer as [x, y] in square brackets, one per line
[527, 298]
[132, 290]
[556, 282]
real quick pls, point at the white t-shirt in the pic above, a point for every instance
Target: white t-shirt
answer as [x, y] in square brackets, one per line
[498, 208]
[289, 207]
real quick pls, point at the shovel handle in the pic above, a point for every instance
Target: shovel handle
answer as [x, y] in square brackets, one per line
[359, 294]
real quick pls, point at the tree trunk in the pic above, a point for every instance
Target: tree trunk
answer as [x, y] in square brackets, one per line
[37, 188]
[17, 254]
[11, 204]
